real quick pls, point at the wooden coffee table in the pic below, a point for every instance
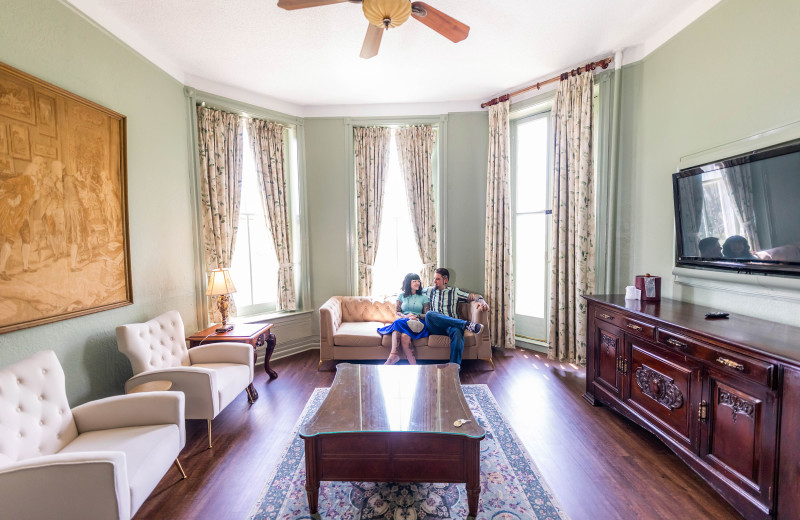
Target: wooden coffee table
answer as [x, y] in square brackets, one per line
[393, 424]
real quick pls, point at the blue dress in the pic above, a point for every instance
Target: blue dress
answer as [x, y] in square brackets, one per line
[414, 304]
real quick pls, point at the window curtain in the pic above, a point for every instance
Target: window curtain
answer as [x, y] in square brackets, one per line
[416, 146]
[219, 142]
[691, 196]
[268, 141]
[371, 146]
[572, 261]
[739, 182]
[497, 263]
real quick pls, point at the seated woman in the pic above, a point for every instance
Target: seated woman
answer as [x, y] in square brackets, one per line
[736, 246]
[411, 306]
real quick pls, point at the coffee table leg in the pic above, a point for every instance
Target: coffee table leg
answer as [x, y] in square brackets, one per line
[312, 479]
[473, 476]
[271, 342]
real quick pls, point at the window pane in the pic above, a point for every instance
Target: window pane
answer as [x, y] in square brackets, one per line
[530, 275]
[254, 267]
[397, 248]
[532, 165]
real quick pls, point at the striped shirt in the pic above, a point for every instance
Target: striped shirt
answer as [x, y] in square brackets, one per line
[446, 301]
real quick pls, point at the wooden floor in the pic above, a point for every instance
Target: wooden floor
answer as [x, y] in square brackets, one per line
[599, 465]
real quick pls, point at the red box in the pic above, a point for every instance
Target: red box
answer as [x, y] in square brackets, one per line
[650, 287]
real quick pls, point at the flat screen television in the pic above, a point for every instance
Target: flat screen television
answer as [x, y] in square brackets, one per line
[741, 213]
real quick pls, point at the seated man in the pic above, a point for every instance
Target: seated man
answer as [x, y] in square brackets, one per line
[442, 318]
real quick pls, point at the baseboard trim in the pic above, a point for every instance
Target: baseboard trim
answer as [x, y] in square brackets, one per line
[290, 348]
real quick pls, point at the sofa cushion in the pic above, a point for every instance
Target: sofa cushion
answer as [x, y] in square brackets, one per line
[148, 453]
[434, 341]
[231, 380]
[362, 308]
[358, 334]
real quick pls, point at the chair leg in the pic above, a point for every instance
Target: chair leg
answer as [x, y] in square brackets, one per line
[180, 468]
[249, 396]
[209, 433]
[491, 362]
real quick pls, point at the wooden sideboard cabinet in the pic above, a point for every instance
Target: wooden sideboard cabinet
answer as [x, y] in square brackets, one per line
[723, 394]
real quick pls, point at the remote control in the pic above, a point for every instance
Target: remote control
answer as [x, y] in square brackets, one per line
[716, 315]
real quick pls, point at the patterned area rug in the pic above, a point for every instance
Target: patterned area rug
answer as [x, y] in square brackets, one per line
[511, 486]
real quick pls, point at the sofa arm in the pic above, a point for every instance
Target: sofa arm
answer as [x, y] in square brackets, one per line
[121, 411]
[223, 352]
[198, 383]
[330, 318]
[66, 486]
[477, 315]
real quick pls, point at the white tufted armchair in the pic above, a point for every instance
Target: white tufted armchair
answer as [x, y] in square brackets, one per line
[211, 375]
[99, 460]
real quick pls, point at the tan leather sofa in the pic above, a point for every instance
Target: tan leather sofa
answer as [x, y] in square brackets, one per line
[348, 331]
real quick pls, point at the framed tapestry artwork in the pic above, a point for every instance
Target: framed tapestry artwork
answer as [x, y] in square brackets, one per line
[64, 249]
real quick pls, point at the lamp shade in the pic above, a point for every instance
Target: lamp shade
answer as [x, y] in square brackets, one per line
[220, 282]
[386, 13]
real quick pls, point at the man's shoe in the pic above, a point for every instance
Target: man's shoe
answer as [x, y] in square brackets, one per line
[473, 327]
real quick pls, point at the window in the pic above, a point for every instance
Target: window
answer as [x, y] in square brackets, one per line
[397, 248]
[254, 267]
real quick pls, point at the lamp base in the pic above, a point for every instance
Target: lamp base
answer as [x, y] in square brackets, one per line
[225, 328]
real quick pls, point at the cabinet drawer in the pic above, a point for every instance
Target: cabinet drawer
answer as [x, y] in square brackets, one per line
[758, 371]
[608, 316]
[638, 328]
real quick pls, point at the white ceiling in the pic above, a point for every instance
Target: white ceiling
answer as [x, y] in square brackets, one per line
[305, 61]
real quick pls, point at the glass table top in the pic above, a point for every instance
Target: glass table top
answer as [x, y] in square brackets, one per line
[391, 398]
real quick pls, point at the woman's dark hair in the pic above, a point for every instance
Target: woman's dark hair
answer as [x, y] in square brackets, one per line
[727, 247]
[407, 291]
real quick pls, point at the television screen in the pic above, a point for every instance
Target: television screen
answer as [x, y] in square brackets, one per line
[741, 213]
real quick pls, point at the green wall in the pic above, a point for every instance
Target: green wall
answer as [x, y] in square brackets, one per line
[465, 221]
[328, 192]
[48, 40]
[728, 76]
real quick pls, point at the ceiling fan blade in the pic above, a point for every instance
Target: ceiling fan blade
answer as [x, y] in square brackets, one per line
[372, 42]
[445, 25]
[302, 4]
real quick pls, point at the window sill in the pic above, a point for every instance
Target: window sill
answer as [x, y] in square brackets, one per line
[271, 316]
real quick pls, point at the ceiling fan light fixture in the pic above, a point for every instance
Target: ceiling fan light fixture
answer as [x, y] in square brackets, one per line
[386, 13]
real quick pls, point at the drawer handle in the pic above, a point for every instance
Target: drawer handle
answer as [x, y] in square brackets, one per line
[607, 316]
[676, 343]
[635, 327]
[730, 364]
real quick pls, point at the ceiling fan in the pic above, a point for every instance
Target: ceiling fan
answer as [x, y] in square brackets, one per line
[385, 14]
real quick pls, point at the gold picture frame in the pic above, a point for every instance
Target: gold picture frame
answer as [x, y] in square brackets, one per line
[64, 242]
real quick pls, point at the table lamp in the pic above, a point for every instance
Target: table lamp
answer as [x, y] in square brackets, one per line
[220, 284]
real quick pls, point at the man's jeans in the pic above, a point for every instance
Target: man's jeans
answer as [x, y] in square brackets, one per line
[439, 324]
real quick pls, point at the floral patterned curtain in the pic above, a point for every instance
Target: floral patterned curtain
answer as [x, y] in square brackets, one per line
[498, 264]
[267, 139]
[572, 254]
[219, 142]
[371, 146]
[739, 182]
[415, 144]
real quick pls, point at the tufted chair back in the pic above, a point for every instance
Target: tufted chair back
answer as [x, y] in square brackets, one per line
[35, 418]
[158, 343]
[364, 308]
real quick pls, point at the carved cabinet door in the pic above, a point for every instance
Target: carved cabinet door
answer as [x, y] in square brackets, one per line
[608, 358]
[738, 433]
[665, 388]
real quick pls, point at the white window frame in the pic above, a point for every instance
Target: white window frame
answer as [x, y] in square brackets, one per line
[295, 150]
[440, 182]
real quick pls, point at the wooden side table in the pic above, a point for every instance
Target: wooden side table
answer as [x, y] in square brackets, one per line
[255, 334]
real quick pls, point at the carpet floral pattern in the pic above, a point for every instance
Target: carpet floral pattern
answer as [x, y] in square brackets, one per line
[511, 486]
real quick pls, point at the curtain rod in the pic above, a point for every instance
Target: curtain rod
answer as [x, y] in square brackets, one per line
[574, 72]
